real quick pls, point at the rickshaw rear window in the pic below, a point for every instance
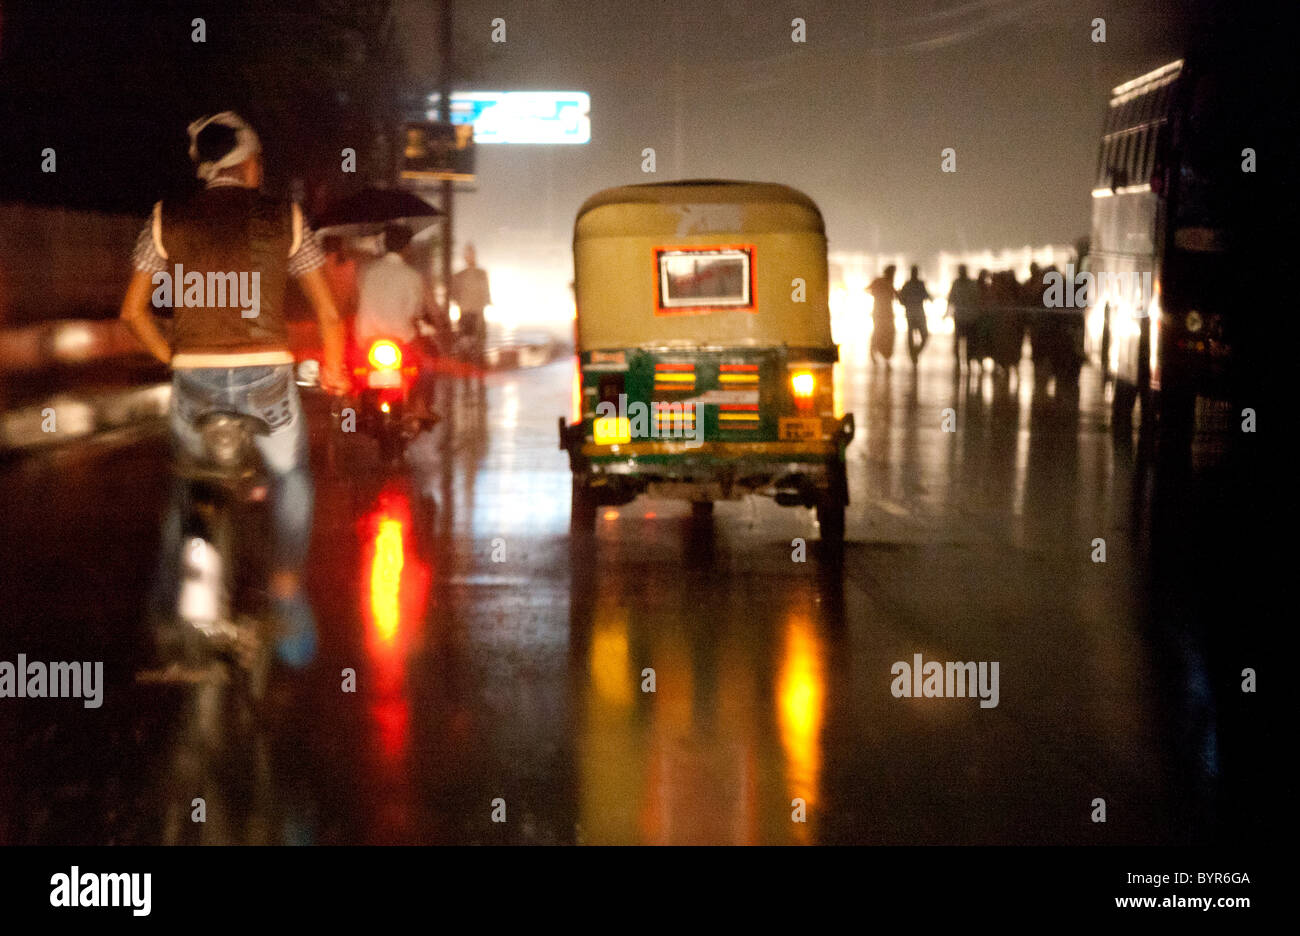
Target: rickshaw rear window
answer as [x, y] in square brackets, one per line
[699, 279]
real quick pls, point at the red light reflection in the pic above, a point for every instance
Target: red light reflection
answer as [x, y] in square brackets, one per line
[393, 602]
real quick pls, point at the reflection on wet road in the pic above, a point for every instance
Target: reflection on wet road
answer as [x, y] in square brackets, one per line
[680, 683]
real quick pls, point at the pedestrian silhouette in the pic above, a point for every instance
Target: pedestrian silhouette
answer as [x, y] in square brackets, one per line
[882, 315]
[979, 340]
[1008, 328]
[913, 297]
[963, 302]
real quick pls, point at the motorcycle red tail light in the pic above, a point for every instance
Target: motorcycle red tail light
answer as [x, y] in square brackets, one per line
[384, 355]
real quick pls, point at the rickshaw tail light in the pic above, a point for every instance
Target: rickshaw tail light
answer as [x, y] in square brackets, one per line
[575, 401]
[385, 356]
[803, 384]
[611, 430]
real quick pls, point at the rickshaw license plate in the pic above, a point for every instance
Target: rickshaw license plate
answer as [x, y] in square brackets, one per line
[799, 429]
[381, 378]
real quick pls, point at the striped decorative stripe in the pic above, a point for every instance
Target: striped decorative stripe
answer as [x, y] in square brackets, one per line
[738, 373]
[739, 415]
[672, 377]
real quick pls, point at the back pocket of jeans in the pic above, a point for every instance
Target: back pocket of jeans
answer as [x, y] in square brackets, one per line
[273, 402]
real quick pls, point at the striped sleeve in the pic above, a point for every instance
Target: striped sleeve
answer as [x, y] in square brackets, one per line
[305, 252]
[145, 257]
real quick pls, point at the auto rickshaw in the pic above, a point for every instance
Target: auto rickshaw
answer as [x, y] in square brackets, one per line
[705, 368]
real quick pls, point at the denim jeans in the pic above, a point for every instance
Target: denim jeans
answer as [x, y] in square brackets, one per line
[270, 394]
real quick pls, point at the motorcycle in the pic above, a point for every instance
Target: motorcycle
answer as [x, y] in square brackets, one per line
[383, 400]
[223, 544]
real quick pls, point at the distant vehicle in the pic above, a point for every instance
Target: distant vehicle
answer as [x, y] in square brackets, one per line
[1170, 228]
[384, 378]
[705, 365]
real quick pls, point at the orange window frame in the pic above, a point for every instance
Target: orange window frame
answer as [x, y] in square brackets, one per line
[702, 308]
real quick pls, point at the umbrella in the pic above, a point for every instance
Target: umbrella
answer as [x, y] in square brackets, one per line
[370, 209]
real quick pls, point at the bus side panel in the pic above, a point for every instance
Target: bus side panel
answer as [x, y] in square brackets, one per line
[1123, 249]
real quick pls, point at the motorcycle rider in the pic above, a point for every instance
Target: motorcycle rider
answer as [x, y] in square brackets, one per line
[391, 296]
[235, 356]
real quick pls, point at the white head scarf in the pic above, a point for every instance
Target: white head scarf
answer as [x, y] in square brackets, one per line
[246, 144]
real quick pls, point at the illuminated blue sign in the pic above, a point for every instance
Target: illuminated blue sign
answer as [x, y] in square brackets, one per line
[522, 116]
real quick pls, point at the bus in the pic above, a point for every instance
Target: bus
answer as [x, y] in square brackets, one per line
[1174, 254]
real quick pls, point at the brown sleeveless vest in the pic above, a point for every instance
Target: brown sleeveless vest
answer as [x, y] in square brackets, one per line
[220, 231]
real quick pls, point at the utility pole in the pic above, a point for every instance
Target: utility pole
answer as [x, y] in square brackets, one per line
[444, 115]
[679, 170]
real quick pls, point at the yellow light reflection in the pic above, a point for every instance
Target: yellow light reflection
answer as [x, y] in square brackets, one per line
[611, 740]
[609, 664]
[801, 692]
[386, 579]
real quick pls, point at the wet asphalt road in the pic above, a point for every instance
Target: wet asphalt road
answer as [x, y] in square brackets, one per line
[494, 663]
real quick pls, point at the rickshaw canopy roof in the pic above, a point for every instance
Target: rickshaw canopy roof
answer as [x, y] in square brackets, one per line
[629, 241]
[638, 204]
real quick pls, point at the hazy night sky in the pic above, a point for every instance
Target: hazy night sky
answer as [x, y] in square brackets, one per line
[856, 117]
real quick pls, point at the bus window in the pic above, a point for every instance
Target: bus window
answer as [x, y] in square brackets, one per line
[1116, 176]
[1142, 113]
[1143, 173]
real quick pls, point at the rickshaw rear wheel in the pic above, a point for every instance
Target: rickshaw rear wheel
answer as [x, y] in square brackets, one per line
[830, 519]
[701, 511]
[830, 512]
[582, 509]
